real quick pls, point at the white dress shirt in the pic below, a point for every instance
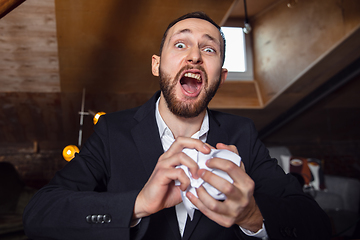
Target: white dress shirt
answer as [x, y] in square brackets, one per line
[167, 139]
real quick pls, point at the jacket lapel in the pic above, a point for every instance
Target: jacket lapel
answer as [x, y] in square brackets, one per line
[190, 225]
[171, 217]
[216, 134]
[146, 135]
[147, 140]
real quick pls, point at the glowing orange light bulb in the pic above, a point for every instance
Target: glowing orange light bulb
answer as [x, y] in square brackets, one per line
[69, 152]
[97, 116]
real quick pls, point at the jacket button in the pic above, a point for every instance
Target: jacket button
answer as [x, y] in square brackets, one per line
[93, 218]
[99, 219]
[107, 218]
[88, 218]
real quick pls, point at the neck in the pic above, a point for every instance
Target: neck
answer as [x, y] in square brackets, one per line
[180, 126]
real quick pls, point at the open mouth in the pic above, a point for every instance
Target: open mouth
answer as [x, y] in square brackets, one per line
[191, 83]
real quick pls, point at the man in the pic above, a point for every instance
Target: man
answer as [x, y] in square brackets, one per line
[122, 183]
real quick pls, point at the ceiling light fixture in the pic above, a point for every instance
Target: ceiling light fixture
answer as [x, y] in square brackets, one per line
[69, 152]
[292, 3]
[96, 116]
[247, 27]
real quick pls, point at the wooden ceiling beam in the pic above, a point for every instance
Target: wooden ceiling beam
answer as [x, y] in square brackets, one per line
[7, 6]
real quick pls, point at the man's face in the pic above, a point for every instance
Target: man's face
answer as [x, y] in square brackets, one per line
[190, 66]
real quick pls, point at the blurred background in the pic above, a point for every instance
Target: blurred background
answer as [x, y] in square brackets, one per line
[62, 60]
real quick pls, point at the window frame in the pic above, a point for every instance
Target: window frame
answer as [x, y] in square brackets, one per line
[248, 74]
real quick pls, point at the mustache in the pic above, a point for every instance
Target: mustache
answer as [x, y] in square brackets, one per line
[188, 67]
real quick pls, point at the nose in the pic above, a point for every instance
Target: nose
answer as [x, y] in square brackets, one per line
[194, 56]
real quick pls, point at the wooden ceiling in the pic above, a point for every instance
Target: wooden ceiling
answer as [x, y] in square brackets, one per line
[101, 46]
[50, 50]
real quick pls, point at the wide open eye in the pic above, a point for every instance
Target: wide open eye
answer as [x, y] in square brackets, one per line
[208, 49]
[180, 45]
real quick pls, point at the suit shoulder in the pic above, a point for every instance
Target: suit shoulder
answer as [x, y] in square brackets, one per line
[119, 118]
[223, 117]
[127, 113]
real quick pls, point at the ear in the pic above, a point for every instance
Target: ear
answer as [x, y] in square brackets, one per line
[155, 64]
[224, 73]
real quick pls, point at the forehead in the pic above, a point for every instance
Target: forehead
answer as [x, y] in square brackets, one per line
[195, 26]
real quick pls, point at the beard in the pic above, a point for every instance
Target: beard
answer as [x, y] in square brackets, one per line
[191, 108]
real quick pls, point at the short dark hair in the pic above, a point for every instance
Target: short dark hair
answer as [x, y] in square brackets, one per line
[200, 15]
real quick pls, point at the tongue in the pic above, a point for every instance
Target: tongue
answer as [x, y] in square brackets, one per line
[189, 84]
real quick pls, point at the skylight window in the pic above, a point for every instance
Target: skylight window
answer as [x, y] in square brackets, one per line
[238, 59]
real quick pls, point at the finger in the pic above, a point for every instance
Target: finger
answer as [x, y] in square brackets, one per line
[241, 188]
[242, 166]
[162, 177]
[231, 148]
[202, 206]
[233, 170]
[182, 142]
[183, 179]
[211, 147]
[221, 184]
[211, 203]
[176, 160]
[178, 157]
[210, 207]
[237, 198]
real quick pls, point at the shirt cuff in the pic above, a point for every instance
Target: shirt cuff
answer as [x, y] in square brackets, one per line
[259, 234]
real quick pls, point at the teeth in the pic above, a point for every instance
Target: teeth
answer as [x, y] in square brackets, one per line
[193, 75]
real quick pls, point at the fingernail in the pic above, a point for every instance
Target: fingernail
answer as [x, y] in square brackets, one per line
[207, 147]
[189, 195]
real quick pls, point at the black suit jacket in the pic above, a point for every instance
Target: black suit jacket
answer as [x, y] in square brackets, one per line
[93, 196]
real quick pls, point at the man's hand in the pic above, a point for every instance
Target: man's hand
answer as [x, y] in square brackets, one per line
[239, 207]
[160, 191]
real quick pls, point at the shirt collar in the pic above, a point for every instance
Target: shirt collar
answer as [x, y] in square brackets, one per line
[164, 129]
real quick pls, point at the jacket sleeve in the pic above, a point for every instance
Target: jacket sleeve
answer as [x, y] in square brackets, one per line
[76, 203]
[288, 212]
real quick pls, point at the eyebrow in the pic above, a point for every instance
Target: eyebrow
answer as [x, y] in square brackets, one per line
[186, 30]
